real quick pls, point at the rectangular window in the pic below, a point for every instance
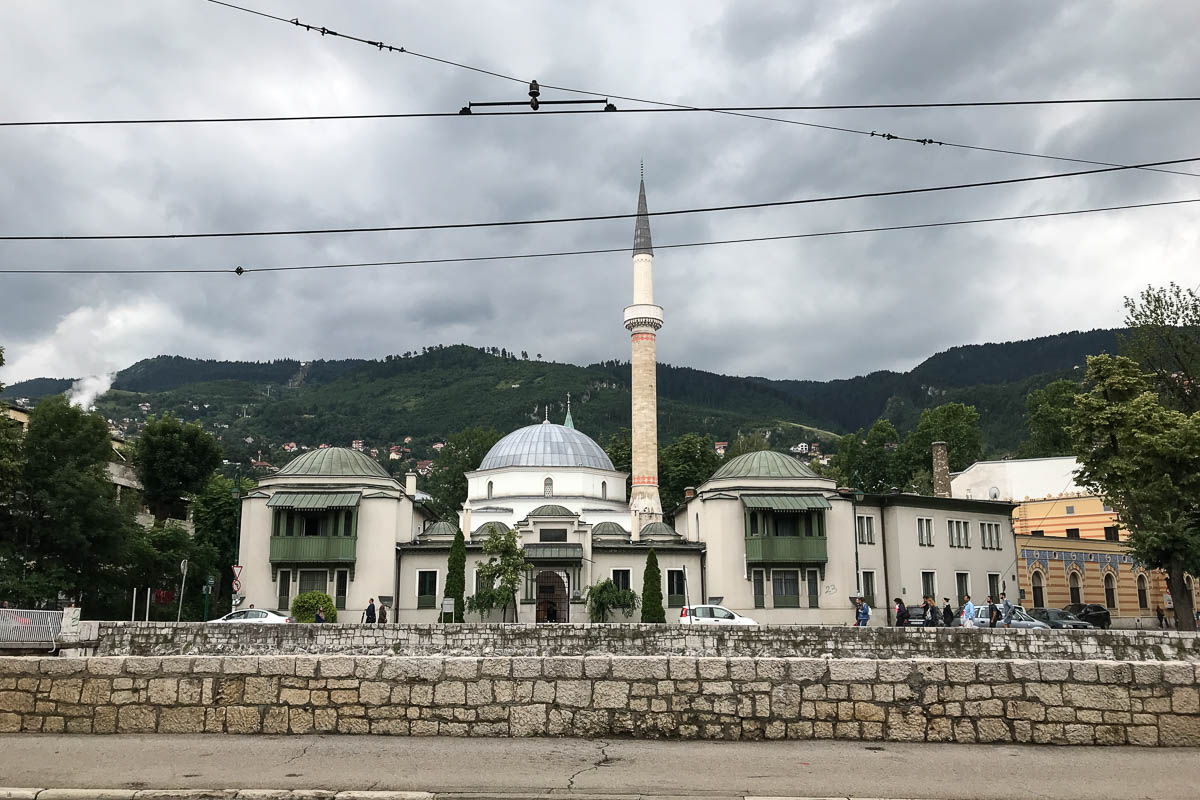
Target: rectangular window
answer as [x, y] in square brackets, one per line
[1072, 533]
[552, 535]
[427, 588]
[341, 584]
[958, 531]
[621, 578]
[787, 525]
[925, 531]
[759, 589]
[1112, 533]
[989, 535]
[929, 584]
[291, 524]
[754, 523]
[285, 589]
[348, 523]
[994, 586]
[676, 588]
[785, 588]
[962, 582]
[814, 588]
[868, 587]
[1107, 508]
[1070, 509]
[313, 580]
[866, 530]
[1037, 533]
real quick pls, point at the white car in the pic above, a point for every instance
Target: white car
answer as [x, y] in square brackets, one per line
[1019, 620]
[258, 615]
[712, 615]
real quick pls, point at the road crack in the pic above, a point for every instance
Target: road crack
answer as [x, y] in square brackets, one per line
[603, 761]
[303, 752]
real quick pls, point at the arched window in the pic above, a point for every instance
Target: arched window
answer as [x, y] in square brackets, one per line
[1143, 593]
[1039, 591]
[603, 490]
[1076, 593]
[489, 490]
[1110, 591]
[548, 488]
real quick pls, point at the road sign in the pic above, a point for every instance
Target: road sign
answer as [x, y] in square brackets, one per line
[237, 586]
[183, 567]
[237, 570]
[206, 589]
[211, 580]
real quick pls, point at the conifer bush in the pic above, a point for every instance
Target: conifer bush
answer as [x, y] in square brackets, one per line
[652, 599]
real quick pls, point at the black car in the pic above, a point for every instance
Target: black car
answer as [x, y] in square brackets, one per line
[1090, 613]
[1058, 619]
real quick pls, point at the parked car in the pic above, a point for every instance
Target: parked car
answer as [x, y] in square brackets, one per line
[712, 615]
[1019, 620]
[1091, 613]
[257, 615]
[1058, 619]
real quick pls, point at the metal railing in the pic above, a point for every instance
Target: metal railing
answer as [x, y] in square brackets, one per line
[21, 627]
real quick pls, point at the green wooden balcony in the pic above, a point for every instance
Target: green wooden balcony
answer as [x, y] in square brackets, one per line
[786, 549]
[313, 548]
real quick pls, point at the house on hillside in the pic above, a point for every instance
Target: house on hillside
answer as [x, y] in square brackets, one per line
[720, 447]
[424, 467]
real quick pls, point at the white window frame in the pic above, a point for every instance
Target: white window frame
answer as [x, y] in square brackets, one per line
[989, 535]
[612, 574]
[932, 572]
[925, 531]
[959, 532]
[874, 586]
[436, 581]
[1070, 509]
[548, 487]
[970, 589]
[864, 528]
[999, 585]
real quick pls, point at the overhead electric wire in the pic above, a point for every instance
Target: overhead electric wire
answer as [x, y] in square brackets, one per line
[591, 218]
[732, 111]
[558, 254]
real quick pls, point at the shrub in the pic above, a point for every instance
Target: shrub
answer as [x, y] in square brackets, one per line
[652, 599]
[604, 598]
[304, 607]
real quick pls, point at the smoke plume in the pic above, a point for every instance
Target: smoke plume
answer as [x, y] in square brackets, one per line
[83, 392]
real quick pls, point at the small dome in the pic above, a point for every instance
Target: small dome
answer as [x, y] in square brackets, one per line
[610, 529]
[482, 530]
[764, 464]
[340, 462]
[552, 511]
[658, 530]
[546, 445]
[441, 528]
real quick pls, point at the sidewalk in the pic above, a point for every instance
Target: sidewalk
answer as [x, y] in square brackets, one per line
[528, 768]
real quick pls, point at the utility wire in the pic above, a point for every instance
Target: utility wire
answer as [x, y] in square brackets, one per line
[516, 256]
[593, 218]
[381, 46]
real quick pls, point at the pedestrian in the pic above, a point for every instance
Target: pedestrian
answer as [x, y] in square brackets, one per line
[968, 612]
[993, 612]
[382, 614]
[929, 612]
[320, 615]
[862, 613]
[947, 613]
[369, 613]
[1006, 610]
[1162, 618]
[901, 613]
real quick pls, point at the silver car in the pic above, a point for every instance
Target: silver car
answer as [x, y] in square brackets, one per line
[1019, 620]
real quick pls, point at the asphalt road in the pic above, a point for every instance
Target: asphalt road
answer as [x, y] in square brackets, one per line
[541, 767]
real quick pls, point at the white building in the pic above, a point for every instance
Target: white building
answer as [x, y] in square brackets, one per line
[1015, 480]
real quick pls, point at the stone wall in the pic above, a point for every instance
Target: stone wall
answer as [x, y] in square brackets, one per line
[165, 638]
[1059, 702]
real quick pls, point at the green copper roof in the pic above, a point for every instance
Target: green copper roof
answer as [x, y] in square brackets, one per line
[658, 529]
[441, 528]
[552, 511]
[764, 464]
[313, 501]
[335, 462]
[609, 529]
[786, 502]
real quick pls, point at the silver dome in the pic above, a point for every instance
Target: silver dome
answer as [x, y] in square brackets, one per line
[546, 445]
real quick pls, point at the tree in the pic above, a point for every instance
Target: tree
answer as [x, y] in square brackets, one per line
[1048, 416]
[447, 485]
[456, 574]
[1164, 337]
[215, 517]
[870, 461]
[1142, 456]
[604, 598]
[500, 578]
[746, 443]
[304, 607]
[652, 599]
[687, 461]
[953, 423]
[174, 459]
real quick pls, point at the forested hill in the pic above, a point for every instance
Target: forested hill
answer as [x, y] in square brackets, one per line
[257, 406]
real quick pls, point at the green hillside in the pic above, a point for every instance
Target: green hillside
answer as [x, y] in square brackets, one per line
[432, 394]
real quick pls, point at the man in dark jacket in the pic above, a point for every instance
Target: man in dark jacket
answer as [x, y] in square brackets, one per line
[369, 614]
[947, 613]
[929, 612]
[901, 613]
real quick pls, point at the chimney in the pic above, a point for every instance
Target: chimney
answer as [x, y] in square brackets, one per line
[689, 492]
[410, 484]
[941, 470]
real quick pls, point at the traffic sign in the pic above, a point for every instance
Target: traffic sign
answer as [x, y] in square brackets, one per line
[237, 570]
[237, 586]
[211, 580]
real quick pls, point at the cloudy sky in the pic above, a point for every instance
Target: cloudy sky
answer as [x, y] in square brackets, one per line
[815, 308]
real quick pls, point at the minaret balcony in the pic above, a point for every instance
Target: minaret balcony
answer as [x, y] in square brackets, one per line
[643, 315]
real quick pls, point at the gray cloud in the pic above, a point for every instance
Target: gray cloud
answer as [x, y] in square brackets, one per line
[807, 309]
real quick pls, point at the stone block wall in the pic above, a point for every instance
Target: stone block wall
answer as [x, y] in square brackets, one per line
[774, 641]
[1057, 702]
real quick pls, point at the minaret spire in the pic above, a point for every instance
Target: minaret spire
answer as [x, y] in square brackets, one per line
[568, 422]
[643, 319]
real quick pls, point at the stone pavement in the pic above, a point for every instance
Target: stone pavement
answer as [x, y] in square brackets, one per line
[573, 768]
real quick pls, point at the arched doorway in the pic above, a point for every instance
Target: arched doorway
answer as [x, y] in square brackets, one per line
[1039, 590]
[552, 596]
[1076, 588]
[1110, 591]
[1143, 593]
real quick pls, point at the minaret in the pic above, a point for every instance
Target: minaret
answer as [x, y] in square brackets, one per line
[642, 320]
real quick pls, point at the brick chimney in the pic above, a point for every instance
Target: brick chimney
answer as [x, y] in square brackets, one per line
[689, 492]
[941, 470]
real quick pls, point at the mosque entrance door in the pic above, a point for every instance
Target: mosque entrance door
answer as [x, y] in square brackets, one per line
[552, 597]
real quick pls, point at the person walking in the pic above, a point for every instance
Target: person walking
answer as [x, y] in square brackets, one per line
[929, 613]
[901, 613]
[862, 613]
[369, 613]
[968, 612]
[947, 613]
[993, 612]
[1006, 610]
[1162, 618]
[382, 614]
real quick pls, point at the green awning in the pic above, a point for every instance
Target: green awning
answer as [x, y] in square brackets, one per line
[314, 501]
[557, 551]
[786, 502]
